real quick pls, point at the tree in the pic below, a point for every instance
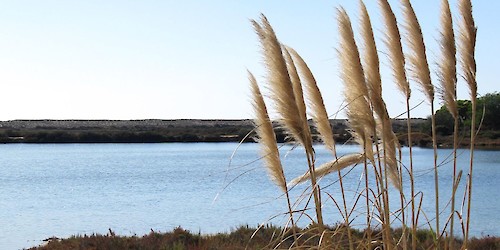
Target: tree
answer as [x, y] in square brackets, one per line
[488, 110]
[489, 105]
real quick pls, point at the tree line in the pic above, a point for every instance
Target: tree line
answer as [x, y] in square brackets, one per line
[487, 115]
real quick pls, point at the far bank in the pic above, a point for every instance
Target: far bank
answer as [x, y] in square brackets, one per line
[196, 130]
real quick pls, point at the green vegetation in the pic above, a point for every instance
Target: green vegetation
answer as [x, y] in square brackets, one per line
[487, 110]
[240, 238]
[488, 134]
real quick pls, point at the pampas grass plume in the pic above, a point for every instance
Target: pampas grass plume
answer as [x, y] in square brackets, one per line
[329, 167]
[393, 43]
[315, 101]
[266, 136]
[417, 57]
[279, 81]
[447, 65]
[372, 71]
[299, 96]
[359, 112]
[467, 46]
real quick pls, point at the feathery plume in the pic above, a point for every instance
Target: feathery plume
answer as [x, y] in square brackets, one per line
[389, 152]
[356, 93]
[417, 57]
[467, 46]
[372, 73]
[315, 101]
[393, 43]
[329, 167]
[279, 81]
[447, 65]
[266, 136]
[283, 94]
[299, 95]
[371, 61]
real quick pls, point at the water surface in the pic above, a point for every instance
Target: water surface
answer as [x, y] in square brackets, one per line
[68, 189]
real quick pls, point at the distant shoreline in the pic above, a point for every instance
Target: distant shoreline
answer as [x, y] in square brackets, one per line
[122, 131]
[186, 130]
[139, 131]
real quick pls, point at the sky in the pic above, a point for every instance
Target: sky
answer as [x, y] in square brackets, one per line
[169, 59]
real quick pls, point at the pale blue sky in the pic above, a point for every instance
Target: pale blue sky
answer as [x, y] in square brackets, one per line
[129, 59]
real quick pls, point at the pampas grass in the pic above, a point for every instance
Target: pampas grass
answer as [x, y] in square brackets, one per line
[299, 97]
[395, 48]
[356, 93]
[397, 60]
[392, 40]
[447, 64]
[372, 74]
[279, 81]
[329, 167]
[285, 93]
[421, 74]
[316, 106]
[447, 76]
[417, 57]
[295, 94]
[358, 110]
[266, 137]
[467, 44]
[267, 140]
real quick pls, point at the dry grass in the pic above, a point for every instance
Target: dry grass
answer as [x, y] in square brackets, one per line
[241, 238]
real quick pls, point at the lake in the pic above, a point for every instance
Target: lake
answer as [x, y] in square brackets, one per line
[74, 189]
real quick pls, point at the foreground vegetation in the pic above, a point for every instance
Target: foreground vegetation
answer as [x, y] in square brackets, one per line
[241, 238]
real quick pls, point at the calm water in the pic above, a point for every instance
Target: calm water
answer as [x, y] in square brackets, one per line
[68, 189]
